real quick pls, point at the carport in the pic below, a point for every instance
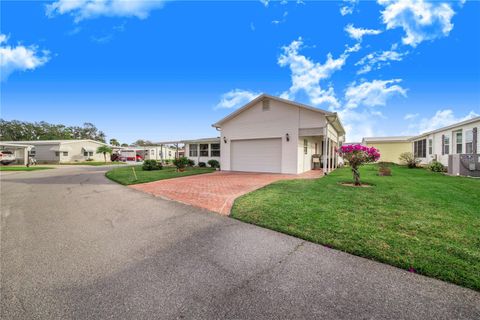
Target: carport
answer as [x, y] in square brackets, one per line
[19, 150]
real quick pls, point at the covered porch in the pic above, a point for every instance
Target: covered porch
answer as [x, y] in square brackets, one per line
[319, 143]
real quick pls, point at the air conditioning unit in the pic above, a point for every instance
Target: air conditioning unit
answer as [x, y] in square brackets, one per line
[464, 165]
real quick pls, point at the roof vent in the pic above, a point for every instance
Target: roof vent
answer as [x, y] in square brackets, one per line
[266, 105]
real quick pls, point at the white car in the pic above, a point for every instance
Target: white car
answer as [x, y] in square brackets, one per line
[7, 157]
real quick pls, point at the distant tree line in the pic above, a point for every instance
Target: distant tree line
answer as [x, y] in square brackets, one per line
[21, 130]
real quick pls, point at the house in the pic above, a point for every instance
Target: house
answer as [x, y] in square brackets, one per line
[157, 152]
[458, 138]
[203, 150]
[271, 134]
[63, 151]
[390, 147]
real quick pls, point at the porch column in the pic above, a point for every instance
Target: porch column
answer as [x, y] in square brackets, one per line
[25, 156]
[328, 155]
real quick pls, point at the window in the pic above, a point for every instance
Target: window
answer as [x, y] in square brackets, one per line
[305, 146]
[57, 154]
[266, 105]
[458, 141]
[193, 150]
[430, 146]
[65, 153]
[87, 153]
[215, 150]
[446, 144]
[170, 153]
[419, 148]
[469, 141]
[32, 152]
[204, 150]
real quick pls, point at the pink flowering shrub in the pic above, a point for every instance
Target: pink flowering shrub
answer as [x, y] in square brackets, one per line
[356, 155]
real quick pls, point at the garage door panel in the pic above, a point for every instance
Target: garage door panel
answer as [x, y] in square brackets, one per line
[257, 155]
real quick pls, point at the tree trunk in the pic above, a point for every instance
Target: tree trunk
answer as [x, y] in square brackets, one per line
[356, 176]
[105, 156]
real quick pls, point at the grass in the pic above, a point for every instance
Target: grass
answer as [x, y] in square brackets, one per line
[126, 176]
[93, 163]
[416, 220]
[22, 168]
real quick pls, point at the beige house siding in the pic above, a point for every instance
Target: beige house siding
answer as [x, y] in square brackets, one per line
[390, 151]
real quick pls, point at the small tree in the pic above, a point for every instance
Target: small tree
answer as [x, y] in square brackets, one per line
[104, 150]
[409, 159]
[181, 163]
[357, 155]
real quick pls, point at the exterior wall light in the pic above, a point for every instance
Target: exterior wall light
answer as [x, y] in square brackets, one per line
[287, 136]
[224, 139]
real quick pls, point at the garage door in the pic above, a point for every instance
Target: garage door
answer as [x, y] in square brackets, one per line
[258, 155]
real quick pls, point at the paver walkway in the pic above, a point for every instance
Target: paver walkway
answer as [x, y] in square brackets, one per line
[216, 191]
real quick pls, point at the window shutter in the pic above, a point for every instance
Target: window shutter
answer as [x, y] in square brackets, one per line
[443, 144]
[475, 140]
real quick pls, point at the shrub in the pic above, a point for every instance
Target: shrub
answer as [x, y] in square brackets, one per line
[213, 163]
[191, 163]
[167, 161]
[149, 165]
[436, 166]
[409, 159]
[356, 155]
[181, 162]
[202, 164]
[89, 159]
[384, 169]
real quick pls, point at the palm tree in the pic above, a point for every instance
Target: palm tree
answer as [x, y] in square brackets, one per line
[104, 150]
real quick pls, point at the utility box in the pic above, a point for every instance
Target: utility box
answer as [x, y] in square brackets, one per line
[464, 165]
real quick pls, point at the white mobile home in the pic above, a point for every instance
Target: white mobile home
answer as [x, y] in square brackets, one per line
[63, 151]
[458, 138]
[203, 150]
[270, 134]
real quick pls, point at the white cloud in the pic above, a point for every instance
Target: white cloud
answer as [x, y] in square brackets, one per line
[359, 124]
[421, 20]
[348, 7]
[236, 98]
[19, 58]
[265, 2]
[358, 33]
[307, 74]
[89, 9]
[379, 59]
[410, 116]
[442, 118]
[371, 94]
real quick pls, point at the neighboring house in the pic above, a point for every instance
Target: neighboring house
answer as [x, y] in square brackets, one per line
[20, 151]
[63, 151]
[390, 147]
[459, 138]
[162, 152]
[270, 134]
[203, 150]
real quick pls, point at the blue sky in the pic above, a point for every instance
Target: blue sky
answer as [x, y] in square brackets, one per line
[167, 70]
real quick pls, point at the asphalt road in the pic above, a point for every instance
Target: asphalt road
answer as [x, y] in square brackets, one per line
[77, 246]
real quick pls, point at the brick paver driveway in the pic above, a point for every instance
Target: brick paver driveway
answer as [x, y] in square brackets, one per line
[216, 191]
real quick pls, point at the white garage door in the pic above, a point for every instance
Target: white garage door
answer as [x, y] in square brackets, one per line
[258, 155]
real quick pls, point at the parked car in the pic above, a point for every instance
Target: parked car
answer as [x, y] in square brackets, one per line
[7, 157]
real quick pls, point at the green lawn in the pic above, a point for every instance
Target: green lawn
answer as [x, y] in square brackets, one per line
[22, 168]
[92, 163]
[126, 176]
[414, 219]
